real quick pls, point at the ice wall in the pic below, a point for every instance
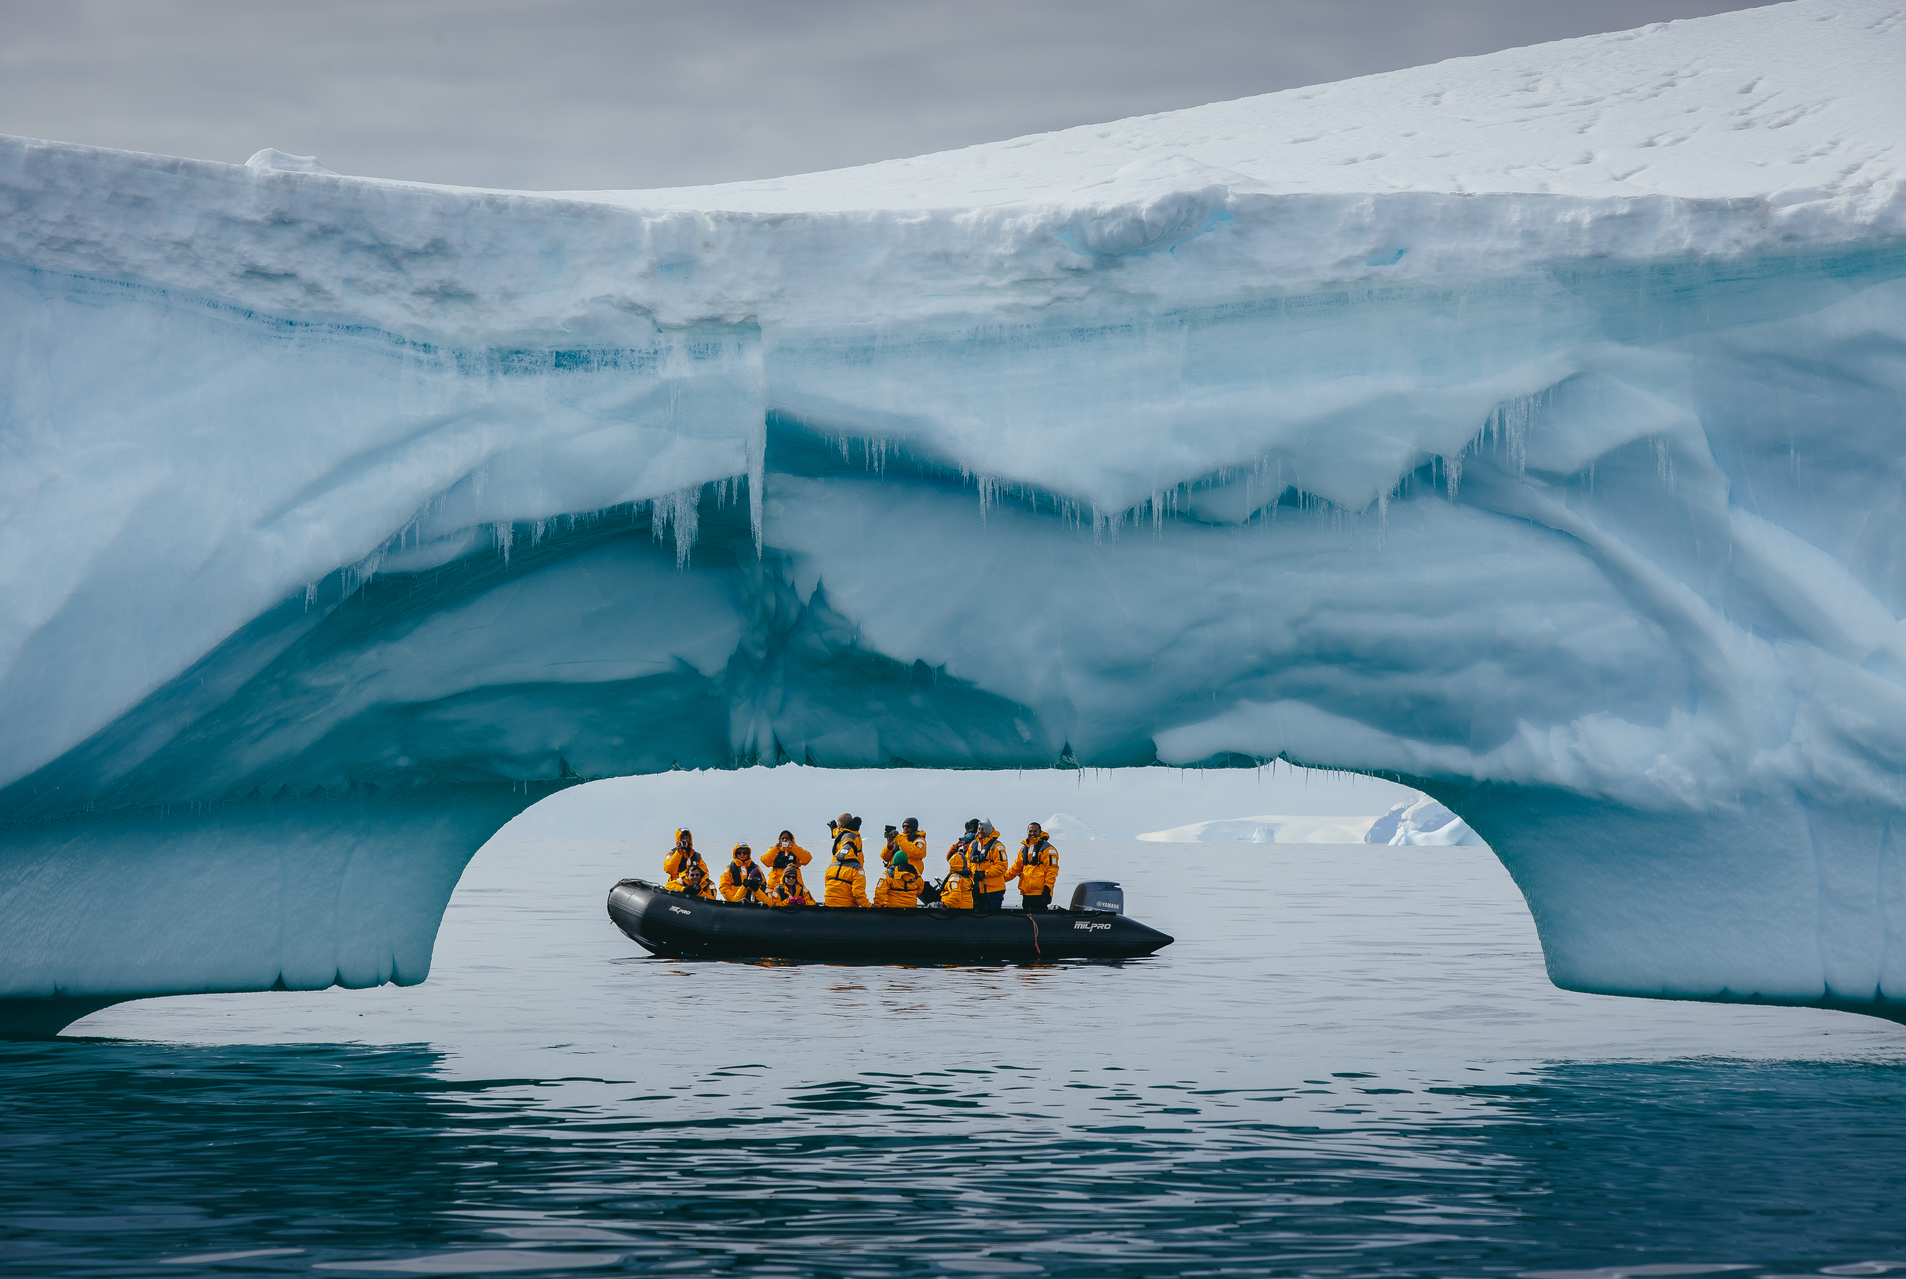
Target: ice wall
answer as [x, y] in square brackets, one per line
[1526, 428]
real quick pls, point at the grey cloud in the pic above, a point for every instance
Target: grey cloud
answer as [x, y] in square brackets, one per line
[597, 94]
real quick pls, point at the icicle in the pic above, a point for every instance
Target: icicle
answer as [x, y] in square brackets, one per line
[1453, 472]
[685, 514]
[504, 535]
[310, 595]
[1383, 519]
[757, 453]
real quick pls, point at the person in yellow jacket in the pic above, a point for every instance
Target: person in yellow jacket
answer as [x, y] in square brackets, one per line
[914, 840]
[988, 854]
[956, 890]
[785, 850]
[789, 890]
[902, 885]
[686, 871]
[846, 883]
[742, 880]
[1036, 868]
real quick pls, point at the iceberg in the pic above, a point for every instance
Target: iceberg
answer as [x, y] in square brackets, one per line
[1269, 829]
[1423, 823]
[1418, 823]
[1524, 429]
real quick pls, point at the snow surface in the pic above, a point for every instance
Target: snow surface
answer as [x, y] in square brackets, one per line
[1526, 428]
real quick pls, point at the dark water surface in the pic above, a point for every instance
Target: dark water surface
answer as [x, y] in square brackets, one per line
[1362, 1072]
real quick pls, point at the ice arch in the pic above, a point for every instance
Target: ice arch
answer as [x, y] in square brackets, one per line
[344, 518]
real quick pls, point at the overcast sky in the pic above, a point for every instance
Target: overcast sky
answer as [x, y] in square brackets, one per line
[593, 94]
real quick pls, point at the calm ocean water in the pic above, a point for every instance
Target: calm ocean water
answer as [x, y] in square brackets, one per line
[1351, 1064]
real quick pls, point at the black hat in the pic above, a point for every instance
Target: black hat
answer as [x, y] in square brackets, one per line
[972, 825]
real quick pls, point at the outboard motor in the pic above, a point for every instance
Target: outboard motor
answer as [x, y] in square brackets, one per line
[1099, 894]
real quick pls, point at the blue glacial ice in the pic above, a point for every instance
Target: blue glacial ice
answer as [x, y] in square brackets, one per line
[1524, 428]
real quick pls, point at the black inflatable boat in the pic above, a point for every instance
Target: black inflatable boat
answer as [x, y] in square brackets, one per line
[677, 926]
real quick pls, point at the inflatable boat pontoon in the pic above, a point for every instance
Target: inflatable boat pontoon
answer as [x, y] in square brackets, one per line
[677, 926]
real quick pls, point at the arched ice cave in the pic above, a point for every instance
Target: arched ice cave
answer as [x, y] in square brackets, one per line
[346, 519]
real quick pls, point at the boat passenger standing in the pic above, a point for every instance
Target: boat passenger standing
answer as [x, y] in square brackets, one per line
[1036, 869]
[785, 850]
[687, 872]
[743, 881]
[789, 890]
[959, 855]
[902, 885]
[989, 869]
[846, 883]
[914, 840]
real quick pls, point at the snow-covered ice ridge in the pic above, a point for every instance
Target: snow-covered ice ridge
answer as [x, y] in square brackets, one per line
[1524, 427]
[1420, 823]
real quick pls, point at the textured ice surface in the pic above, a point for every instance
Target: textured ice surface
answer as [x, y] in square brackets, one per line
[1526, 427]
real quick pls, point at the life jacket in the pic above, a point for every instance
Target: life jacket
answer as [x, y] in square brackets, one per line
[739, 884]
[677, 865]
[846, 883]
[959, 857]
[957, 891]
[989, 864]
[899, 888]
[846, 836]
[1038, 866]
[777, 857]
[795, 894]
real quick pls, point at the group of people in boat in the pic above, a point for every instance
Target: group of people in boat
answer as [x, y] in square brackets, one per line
[978, 870]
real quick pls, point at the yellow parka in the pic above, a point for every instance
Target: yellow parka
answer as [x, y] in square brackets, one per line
[989, 864]
[1037, 866]
[735, 886]
[956, 858]
[957, 891]
[915, 849]
[784, 894]
[846, 885]
[899, 888]
[772, 859]
[680, 860]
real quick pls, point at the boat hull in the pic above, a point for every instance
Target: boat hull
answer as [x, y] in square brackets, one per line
[677, 926]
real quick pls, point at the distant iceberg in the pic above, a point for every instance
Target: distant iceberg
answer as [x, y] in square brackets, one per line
[1524, 429]
[1422, 822]
[1269, 829]
[1064, 826]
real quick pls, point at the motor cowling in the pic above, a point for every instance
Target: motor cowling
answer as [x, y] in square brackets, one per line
[1099, 894]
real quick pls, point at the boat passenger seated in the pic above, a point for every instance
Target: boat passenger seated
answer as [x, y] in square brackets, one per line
[686, 871]
[789, 890]
[1036, 868]
[956, 890]
[742, 880]
[785, 850]
[902, 885]
[846, 883]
